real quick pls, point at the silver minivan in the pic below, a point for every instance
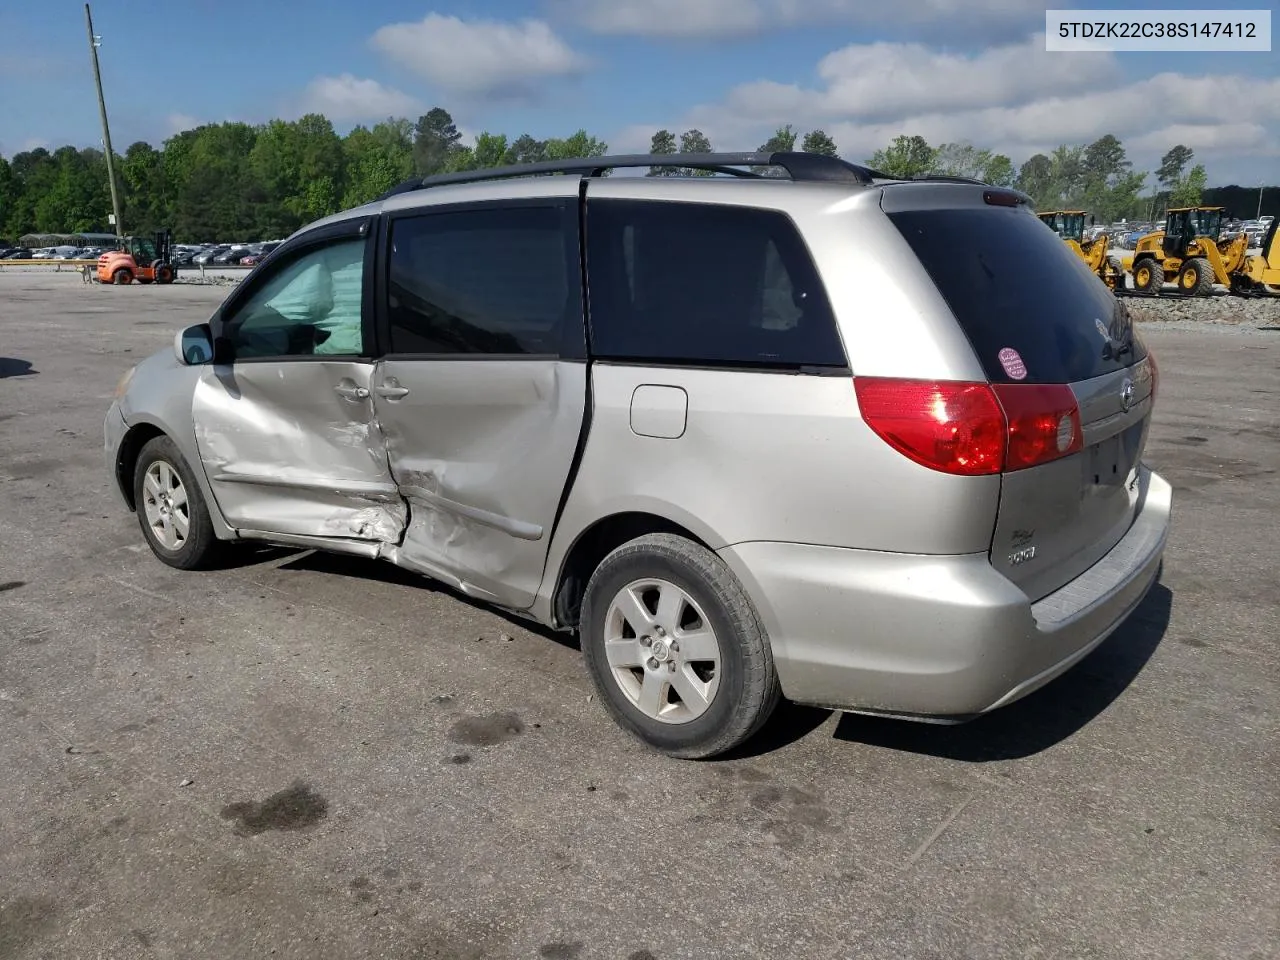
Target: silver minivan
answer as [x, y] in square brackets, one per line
[864, 443]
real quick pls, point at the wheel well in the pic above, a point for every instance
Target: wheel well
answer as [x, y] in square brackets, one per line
[592, 546]
[132, 444]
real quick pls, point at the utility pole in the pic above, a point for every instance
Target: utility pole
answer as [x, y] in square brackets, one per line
[106, 131]
[1259, 216]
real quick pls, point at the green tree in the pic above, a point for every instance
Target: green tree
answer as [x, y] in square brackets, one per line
[8, 194]
[376, 160]
[1035, 178]
[663, 143]
[580, 144]
[1188, 190]
[490, 150]
[527, 149]
[961, 160]
[782, 141]
[694, 141]
[1172, 165]
[1067, 175]
[905, 158]
[435, 138]
[142, 182]
[999, 171]
[817, 141]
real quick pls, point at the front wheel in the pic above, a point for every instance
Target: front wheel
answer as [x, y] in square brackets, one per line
[1148, 276]
[1196, 278]
[122, 276]
[171, 510]
[675, 648]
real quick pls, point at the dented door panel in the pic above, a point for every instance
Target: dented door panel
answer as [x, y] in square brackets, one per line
[293, 447]
[481, 451]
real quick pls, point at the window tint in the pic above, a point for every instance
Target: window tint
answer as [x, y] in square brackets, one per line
[1014, 285]
[703, 283]
[311, 306]
[484, 281]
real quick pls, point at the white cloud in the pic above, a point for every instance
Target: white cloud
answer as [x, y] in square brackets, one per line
[1015, 99]
[986, 19]
[668, 18]
[175, 123]
[480, 58]
[347, 98]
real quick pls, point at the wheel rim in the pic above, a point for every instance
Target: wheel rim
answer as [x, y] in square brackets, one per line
[662, 651]
[1189, 278]
[1144, 276]
[164, 501]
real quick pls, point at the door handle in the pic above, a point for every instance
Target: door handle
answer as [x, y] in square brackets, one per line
[349, 391]
[391, 392]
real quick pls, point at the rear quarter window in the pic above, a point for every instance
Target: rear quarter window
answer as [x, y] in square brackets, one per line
[1015, 286]
[705, 285]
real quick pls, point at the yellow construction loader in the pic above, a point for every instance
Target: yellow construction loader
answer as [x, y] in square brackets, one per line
[1069, 225]
[1190, 252]
[1260, 274]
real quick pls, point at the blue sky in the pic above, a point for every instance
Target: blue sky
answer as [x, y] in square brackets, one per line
[865, 71]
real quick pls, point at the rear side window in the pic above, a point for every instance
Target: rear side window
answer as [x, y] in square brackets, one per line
[704, 284]
[1031, 308]
[494, 280]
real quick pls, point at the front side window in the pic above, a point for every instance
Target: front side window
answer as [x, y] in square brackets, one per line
[705, 284]
[485, 281]
[311, 306]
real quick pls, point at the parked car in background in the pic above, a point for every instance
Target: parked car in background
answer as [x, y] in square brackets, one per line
[205, 257]
[965, 510]
[20, 253]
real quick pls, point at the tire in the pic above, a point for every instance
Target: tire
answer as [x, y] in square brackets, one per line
[1115, 270]
[741, 690]
[1195, 279]
[199, 547]
[121, 277]
[1148, 276]
[164, 274]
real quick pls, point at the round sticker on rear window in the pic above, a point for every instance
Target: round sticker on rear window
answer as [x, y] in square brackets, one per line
[1012, 363]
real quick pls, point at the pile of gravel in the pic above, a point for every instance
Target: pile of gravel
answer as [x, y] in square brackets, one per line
[1222, 310]
[209, 281]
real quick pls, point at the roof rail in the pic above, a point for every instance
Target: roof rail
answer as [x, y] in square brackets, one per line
[805, 167]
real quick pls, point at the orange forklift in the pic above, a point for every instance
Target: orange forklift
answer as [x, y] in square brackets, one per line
[145, 259]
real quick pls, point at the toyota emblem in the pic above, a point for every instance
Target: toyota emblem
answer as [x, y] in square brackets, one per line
[1126, 395]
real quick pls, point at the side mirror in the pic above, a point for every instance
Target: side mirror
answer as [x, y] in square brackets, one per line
[194, 345]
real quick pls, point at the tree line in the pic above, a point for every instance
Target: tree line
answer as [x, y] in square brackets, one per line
[236, 181]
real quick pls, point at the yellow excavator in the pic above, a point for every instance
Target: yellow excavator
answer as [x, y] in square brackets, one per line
[1190, 251]
[1260, 274]
[1069, 225]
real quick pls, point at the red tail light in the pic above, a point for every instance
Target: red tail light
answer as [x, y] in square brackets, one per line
[972, 429]
[1044, 423]
[954, 427]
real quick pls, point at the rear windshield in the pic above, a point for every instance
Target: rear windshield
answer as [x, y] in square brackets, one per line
[1031, 308]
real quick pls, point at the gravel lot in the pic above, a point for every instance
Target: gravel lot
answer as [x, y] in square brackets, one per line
[314, 757]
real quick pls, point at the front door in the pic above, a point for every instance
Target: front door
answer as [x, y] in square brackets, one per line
[482, 390]
[286, 426]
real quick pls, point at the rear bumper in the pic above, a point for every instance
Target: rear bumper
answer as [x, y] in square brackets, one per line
[938, 636]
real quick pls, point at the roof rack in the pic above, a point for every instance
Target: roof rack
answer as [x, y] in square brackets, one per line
[806, 167]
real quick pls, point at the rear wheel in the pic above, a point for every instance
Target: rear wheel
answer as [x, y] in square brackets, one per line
[122, 276]
[676, 649]
[1148, 276]
[171, 510]
[1114, 273]
[1195, 279]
